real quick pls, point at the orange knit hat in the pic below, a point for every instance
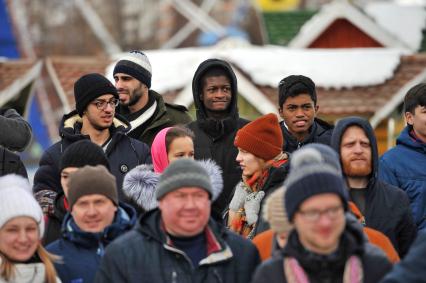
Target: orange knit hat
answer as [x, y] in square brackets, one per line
[262, 137]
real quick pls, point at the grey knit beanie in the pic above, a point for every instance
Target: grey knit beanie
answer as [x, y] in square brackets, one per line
[90, 180]
[312, 174]
[181, 173]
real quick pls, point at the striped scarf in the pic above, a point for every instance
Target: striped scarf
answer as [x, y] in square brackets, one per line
[294, 273]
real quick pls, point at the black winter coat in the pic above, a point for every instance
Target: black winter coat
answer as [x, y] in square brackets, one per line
[143, 255]
[11, 163]
[387, 208]
[214, 139]
[123, 153]
[320, 132]
[329, 269]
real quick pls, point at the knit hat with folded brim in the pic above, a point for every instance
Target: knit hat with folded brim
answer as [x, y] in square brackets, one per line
[262, 137]
[16, 200]
[182, 173]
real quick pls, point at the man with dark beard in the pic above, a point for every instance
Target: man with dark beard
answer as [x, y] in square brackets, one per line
[383, 206]
[144, 108]
[95, 119]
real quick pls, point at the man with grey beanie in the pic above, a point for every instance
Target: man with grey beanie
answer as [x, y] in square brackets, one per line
[178, 241]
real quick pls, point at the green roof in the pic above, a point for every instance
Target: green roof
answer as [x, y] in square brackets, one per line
[281, 27]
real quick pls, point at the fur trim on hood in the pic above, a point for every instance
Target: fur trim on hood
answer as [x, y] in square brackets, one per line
[141, 182]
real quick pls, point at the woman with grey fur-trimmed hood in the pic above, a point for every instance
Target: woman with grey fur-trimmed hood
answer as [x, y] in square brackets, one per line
[169, 144]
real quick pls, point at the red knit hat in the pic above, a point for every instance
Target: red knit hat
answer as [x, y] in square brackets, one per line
[261, 137]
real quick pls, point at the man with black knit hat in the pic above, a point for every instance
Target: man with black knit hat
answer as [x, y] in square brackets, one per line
[297, 105]
[179, 242]
[142, 106]
[95, 119]
[215, 92]
[94, 220]
[77, 155]
[323, 246]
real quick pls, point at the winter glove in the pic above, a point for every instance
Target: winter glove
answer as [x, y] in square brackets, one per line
[239, 198]
[252, 206]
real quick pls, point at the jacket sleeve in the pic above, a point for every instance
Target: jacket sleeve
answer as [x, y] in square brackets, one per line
[413, 267]
[407, 229]
[386, 174]
[110, 269]
[16, 131]
[271, 271]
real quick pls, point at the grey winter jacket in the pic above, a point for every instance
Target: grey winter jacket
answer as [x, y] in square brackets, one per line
[145, 255]
[16, 132]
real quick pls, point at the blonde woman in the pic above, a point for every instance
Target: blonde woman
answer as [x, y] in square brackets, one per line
[22, 257]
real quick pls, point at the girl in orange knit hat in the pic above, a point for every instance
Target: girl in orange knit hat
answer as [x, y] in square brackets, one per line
[264, 168]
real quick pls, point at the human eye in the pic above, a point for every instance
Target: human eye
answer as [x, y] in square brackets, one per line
[100, 103]
[306, 106]
[291, 107]
[226, 89]
[312, 215]
[333, 211]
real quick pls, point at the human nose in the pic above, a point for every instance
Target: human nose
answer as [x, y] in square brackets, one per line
[22, 236]
[190, 202]
[238, 158]
[300, 112]
[91, 210]
[109, 106]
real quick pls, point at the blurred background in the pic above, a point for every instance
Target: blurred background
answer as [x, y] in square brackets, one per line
[363, 55]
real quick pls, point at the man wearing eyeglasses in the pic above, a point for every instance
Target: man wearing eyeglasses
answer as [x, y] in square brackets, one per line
[95, 119]
[384, 207]
[324, 245]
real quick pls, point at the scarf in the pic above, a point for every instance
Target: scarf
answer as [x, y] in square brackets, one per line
[294, 273]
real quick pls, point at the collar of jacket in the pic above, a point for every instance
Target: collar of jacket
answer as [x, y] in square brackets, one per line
[150, 225]
[71, 125]
[351, 243]
[317, 129]
[125, 218]
[407, 140]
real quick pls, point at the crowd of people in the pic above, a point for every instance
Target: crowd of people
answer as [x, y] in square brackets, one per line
[137, 191]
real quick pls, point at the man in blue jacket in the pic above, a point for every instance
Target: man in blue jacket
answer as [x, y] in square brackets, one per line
[179, 242]
[95, 219]
[404, 165]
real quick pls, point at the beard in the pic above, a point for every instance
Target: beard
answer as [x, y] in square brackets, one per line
[356, 170]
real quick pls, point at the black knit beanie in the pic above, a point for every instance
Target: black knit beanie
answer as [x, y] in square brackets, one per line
[91, 180]
[89, 87]
[293, 85]
[136, 64]
[81, 153]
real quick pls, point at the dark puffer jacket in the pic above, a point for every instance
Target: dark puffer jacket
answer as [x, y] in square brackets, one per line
[123, 153]
[320, 132]
[321, 268]
[387, 207]
[404, 166]
[144, 255]
[214, 139]
[81, 252]
[165, 115]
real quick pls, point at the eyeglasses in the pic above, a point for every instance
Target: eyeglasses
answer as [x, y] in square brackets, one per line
[102, 104]
[314, 215]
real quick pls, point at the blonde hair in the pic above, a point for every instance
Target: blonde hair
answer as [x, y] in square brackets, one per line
[7, 268]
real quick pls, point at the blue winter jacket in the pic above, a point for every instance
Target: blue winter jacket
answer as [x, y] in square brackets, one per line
[404, 166]
[81, 251]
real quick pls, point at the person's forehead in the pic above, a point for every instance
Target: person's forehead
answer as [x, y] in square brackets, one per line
[92, 197]
[299, 99]
[189, 190]
[320, 201]
[354, 130]
[105, 97]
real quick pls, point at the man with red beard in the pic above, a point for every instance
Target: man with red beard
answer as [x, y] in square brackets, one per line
[383, 206]
[95, 119]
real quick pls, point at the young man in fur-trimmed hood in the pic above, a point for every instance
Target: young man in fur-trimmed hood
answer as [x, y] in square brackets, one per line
[95, 119]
